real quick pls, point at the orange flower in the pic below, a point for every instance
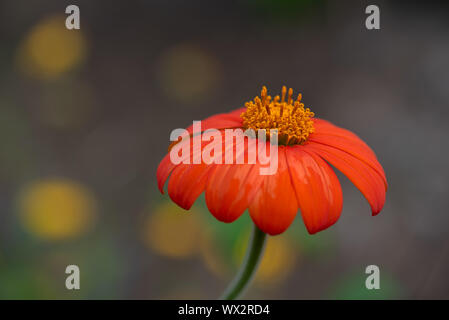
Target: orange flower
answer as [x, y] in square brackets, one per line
[304, 178]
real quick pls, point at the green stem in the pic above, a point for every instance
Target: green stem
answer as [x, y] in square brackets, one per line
[253, 256]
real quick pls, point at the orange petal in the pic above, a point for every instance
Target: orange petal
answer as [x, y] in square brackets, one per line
[163, 171]
[324, 127]
[364, 177]
[327, 133]
[187, 182]
[317, 189]
[274, 205]
[230, 188]
[166, 166]
[221, 121]
[237, 112]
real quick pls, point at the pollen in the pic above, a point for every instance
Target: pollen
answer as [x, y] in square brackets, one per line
[293, 122]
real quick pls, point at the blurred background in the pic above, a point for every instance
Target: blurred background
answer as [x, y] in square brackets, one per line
[85, 118]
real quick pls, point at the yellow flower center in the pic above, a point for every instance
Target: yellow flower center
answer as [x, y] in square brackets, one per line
[293, 121]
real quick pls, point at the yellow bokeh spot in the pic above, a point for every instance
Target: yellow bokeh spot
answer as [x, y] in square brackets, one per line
[57, 209]
[172, 231]
[278, 260]
[50, 49]
[188, 74]
[212, 257]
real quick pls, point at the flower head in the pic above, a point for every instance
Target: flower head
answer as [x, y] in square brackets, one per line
[294, 124]
[304, 179]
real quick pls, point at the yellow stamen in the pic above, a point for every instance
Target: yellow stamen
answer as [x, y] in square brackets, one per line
[293, 122]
